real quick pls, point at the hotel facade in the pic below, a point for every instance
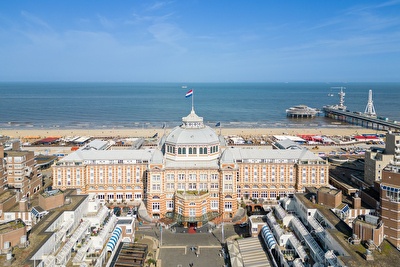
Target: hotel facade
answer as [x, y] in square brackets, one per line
[193, 176]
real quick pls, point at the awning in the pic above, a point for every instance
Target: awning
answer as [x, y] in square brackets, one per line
[268, 237]
[114, 239]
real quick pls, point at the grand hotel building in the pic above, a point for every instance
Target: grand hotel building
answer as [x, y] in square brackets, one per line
[192, 176]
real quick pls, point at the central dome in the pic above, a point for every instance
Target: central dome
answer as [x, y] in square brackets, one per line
[192, 140]
[192, 132]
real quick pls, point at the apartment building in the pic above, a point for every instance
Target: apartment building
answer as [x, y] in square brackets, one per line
[376, 159]
[23, 173]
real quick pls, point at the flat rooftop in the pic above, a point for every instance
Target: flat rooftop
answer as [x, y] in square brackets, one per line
[388, 256]
[38, 236]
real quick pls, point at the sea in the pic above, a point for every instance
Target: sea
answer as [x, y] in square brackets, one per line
[77, 105]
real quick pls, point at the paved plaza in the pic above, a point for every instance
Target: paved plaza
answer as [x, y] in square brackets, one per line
[182, 249]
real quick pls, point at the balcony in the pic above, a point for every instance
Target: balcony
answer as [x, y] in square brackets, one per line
[192, 195]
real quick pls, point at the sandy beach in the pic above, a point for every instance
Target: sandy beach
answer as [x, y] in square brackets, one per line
[42, 133]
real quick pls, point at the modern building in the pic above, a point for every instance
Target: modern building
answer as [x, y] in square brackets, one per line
[376, 158]
[23, 173]
[192, 176]
[3, 177]
[390, 203]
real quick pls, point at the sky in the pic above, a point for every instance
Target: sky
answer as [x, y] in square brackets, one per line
[200, 41]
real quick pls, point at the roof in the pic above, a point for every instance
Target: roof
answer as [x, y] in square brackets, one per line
[96, 144]
[287, 144]
[129, 154]
[290, 137]
[192, 131]
[196, 164]
[265, 153]
[47, 140]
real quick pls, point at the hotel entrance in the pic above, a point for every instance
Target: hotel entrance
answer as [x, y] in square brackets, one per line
[192, 227]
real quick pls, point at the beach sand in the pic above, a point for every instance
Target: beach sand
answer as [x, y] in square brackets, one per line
[245, 132]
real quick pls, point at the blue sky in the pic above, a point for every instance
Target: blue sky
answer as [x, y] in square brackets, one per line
[200, 41]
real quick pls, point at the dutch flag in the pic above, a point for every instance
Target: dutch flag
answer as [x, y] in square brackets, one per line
[189, 93]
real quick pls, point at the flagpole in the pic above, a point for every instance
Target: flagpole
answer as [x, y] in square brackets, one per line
[192, 100]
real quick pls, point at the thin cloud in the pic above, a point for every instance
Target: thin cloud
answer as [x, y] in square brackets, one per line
[34, 20]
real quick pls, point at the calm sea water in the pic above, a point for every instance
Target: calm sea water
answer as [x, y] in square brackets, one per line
[150, 105]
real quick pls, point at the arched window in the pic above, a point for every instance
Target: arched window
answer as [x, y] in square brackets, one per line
[200, 150]
[190, 150]
[184, 150]
[179, 150]
[194, 150]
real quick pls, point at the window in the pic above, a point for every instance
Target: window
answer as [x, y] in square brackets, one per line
[214, 185]
[228, 186]
[170, 186]
[155, 178]
[192, 186]
[228, 206]
[181, 186]
[156, 187]
[203, 186]
[204, 210]
[228, 177]
[180, 210]
[137, 175]
[214, 204]
[181, 176]
[156, 206]
[170, 205]
[254, 195]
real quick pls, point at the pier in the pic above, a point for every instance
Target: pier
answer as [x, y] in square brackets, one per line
[367, 119]
[358, 118]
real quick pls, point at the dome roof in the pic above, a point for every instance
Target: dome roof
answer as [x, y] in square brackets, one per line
[192, 131]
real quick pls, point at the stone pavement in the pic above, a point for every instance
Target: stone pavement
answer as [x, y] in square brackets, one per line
[202, 249]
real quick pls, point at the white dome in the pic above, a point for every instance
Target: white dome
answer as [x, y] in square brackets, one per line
[192, 132]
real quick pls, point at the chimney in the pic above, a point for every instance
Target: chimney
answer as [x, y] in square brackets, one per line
[356, 202]
[23, 205]
[16, 146]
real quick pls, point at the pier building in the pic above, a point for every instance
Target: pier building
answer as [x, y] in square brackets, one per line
[192, 176]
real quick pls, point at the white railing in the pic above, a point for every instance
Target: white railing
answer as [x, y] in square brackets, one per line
[310, 242]
[65, 252]
[298, 247]
[274, 226]
[298, 263]
[82, 252]
[50, 261]
[280, 212]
